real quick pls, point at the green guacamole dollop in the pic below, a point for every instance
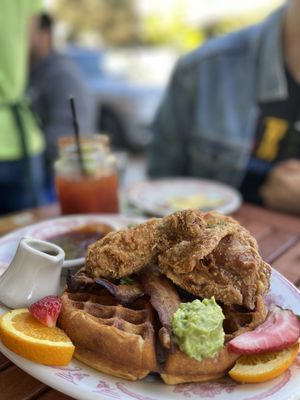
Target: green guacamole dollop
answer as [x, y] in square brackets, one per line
[198, 328]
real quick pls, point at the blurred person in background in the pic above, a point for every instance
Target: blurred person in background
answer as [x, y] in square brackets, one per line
[53, 79]
[21, 141]
[232, 113]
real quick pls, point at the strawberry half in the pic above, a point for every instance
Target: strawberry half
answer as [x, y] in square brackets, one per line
[280, 330]
[46, 310]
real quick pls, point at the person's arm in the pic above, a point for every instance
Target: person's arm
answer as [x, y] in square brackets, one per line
[171, 127]
[282, 188]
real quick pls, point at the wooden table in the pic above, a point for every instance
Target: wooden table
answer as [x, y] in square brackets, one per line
[278, 236]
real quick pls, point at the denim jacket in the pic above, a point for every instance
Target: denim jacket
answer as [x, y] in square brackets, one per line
[206, 123]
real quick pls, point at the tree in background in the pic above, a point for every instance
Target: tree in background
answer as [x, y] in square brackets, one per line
[115, 21]
[119, 23]
[172, 30]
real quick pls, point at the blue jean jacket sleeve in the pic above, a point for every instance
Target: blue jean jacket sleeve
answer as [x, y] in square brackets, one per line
[206, 123]
[167, 156]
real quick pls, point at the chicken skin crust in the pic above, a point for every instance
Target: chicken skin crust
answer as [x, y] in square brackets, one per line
[124, 252]
[127, 251]
[206, 254]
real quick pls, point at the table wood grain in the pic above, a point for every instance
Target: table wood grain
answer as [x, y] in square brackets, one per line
[278, 236]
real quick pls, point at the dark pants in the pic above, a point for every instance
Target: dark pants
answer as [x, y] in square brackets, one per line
[15, 193]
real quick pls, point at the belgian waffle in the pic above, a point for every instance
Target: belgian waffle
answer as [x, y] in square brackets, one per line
[108, 336]
[123, 340]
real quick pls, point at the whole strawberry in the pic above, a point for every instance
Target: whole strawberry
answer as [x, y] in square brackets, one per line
[46, 310]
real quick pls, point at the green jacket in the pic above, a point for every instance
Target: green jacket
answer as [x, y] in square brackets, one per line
[14, 23]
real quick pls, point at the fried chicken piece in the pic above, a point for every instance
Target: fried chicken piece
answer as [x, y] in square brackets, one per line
[196, 242]
[223, 262]
[127, 251]
[185, 225]
[124, 252]
[206, 254]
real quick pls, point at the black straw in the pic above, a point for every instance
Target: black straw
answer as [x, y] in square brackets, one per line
[77, 135]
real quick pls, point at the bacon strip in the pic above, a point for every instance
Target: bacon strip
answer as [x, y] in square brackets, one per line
[124, 293]
[80, 281]
[164, 300]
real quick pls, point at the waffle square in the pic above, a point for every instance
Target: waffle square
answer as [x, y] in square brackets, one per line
[110, 337]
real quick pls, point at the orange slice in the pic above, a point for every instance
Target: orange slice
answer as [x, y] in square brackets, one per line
[26, 336]
[263, 367]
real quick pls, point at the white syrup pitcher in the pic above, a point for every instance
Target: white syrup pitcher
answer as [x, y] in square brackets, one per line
[33, 273]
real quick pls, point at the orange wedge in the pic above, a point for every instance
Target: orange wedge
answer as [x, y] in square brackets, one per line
[26, 336]
[263, 367]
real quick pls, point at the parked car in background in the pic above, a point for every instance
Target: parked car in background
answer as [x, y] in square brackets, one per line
[125, 106]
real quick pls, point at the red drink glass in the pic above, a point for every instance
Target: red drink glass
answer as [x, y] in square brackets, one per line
[90, 187]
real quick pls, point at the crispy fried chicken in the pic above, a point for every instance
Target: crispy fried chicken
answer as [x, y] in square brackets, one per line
[129, 250]
[223, 262]
[124, 252]
[206, 254]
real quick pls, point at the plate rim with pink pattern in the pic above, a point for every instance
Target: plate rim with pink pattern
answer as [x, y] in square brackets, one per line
[81, 382]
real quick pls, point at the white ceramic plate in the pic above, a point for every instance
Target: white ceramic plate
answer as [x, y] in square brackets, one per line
[46, 229]
[81, 382]
[164, 196]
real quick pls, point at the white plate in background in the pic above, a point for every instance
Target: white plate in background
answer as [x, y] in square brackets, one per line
[164, 196]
